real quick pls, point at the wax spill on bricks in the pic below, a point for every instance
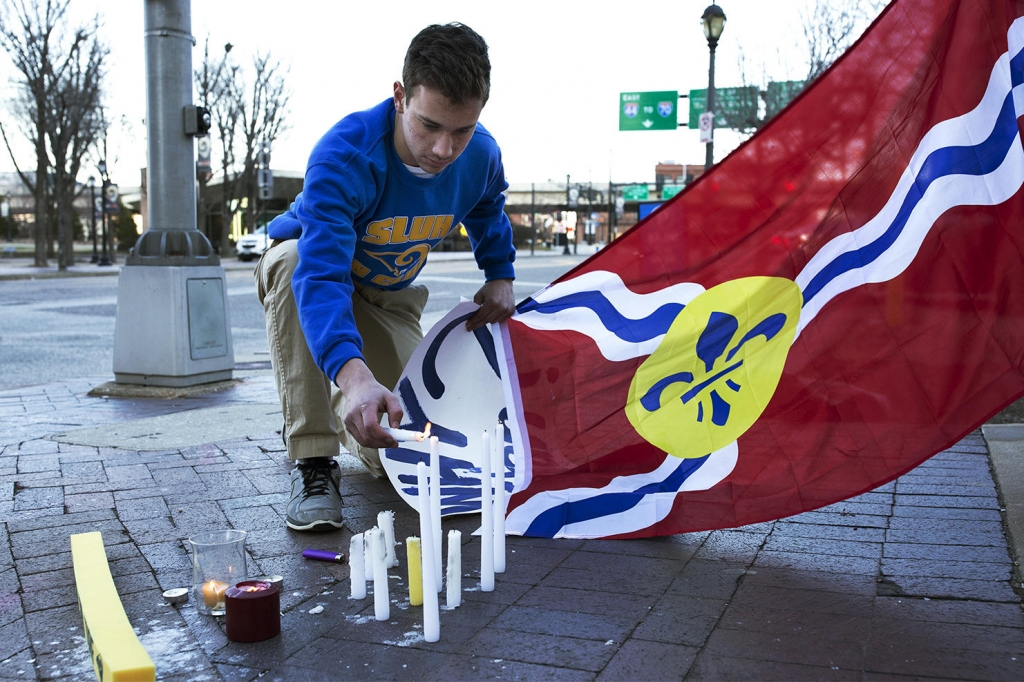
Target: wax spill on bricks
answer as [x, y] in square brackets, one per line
[73, 662]
[359, 620]
[408, 639]
[171, 648]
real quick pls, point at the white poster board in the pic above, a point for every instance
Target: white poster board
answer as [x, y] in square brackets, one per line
[452, 381]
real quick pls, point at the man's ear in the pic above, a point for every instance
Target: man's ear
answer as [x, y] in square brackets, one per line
[399, 98]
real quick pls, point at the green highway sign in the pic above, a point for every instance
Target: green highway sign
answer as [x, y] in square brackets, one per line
[635, 193]
[730, 103]
[669, 191]
[648, 110]
[779, 93]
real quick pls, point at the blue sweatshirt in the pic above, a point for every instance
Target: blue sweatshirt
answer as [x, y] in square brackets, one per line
[362, 216]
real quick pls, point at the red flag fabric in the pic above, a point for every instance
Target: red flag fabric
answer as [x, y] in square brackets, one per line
[836, 301]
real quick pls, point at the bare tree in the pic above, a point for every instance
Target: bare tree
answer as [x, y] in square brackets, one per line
[73, 125]
[242, 118]
[213, 77]
[59, 84]
[262, 112]
[226, 119]
[830, 27]
[27, 35]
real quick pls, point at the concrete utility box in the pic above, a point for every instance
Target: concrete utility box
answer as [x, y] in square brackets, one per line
[173, 326]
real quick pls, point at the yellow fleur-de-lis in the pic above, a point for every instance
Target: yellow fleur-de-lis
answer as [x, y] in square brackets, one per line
[724, 355]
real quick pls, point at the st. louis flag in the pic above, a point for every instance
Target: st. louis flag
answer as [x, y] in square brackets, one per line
[838, 300]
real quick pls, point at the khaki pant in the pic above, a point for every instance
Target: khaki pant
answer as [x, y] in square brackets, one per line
[389, 323]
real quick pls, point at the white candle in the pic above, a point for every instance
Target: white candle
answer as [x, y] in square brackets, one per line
[368, 554]
[486, 519]
[356, 569]
[386, 523]
[405, 436]
[381, 598]
[435, 505]
[431, 616]
[499, 500]
[454, 568]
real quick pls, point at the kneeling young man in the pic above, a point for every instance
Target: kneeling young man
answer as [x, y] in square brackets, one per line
[382, 188]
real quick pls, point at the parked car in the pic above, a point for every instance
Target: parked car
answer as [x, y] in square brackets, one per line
[251, 246]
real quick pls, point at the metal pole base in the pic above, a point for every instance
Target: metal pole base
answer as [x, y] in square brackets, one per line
[173, 247]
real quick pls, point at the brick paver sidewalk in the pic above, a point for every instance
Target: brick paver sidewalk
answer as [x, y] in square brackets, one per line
[913, 579]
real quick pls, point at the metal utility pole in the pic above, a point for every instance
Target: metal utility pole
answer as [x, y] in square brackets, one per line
[172, 317]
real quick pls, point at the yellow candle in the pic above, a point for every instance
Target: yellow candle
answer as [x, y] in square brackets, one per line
[213, 592]
[412, 548]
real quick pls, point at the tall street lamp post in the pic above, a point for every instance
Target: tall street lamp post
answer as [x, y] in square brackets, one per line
[102, 166]
[713, 22]
[92, 218]
[565, 217]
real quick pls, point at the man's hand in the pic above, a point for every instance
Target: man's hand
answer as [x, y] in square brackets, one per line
[496, 301]
[365, 401]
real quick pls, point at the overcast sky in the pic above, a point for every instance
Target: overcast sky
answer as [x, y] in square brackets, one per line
[558, 67]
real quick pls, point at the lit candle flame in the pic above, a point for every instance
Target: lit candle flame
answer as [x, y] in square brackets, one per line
[426, 432]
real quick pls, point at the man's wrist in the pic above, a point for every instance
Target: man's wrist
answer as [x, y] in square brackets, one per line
[352, 372]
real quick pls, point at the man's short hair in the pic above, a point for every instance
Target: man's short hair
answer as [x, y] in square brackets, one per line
[449, 58]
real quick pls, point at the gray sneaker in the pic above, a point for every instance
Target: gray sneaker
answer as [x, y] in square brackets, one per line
[315, 502]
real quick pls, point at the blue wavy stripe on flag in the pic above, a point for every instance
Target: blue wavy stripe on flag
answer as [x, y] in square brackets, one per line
[980, 159]
[623, 324]
[975, 159]
[635, 331]
[625, 504]
[548, 523]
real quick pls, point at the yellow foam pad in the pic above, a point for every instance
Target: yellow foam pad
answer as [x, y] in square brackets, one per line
[117, 655]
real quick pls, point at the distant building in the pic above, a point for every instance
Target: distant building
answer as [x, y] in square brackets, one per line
[286, 186]
[603, 211]
[21, 201]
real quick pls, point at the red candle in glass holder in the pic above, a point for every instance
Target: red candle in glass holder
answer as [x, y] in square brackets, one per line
[253, 611]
